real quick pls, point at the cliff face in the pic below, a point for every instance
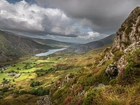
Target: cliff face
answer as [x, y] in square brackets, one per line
[129, 32]
[126, 41]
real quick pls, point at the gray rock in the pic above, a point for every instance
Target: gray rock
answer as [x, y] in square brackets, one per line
[112, 71]
[44, 100]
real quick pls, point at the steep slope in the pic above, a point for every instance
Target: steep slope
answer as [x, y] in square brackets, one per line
[13, 47]
[126, 41]
[91, 45]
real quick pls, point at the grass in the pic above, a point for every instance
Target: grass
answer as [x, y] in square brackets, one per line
[28, 68]
[86, 77]
[3, 75]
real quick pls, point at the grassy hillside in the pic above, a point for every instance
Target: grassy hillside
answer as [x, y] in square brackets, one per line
[112, 78]
[54, 43]
[70, 79]
[39, 72]
[13, 47]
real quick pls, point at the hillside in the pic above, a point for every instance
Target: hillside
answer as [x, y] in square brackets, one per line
[54, 43]
[13, 47]
[82, 48]
[126, 41]
[112, 78]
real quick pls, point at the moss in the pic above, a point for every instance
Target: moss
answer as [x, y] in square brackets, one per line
[93, 97]
[113, 82]
[132, 70]
[117, 55]
[128, 29]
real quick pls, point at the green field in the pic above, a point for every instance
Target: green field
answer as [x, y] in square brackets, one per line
[42, 69]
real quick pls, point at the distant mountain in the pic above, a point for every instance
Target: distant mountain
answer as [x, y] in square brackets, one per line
[13, 47]
[53, 43]
[82, 48]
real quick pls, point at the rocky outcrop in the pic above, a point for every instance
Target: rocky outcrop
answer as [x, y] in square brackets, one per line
[126, 41]
[129, 32]
[112, 71]
[44, 100]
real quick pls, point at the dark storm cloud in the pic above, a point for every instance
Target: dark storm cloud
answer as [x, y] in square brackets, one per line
[105, 15]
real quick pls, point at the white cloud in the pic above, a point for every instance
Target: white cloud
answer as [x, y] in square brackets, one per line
[30, 19]
[23, 16]
[92, 36]
[20, 16]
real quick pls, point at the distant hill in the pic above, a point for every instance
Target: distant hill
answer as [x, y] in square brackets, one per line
[14, 46]
[82, 48]
[54, 43]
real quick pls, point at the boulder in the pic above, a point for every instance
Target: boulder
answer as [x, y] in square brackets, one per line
[111, 71]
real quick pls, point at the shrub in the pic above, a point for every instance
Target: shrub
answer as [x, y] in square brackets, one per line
[23, 92]
[128, 30]
[5, 89]
[68, 100]
[5, 81]
[117, 55]
[132, 70]
[33, 83]
[113, 82]
[40, 91]
[93, 97]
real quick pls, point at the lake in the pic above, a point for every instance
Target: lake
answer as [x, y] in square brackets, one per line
[51, 51]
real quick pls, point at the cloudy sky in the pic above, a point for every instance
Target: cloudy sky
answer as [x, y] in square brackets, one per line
[77, 21]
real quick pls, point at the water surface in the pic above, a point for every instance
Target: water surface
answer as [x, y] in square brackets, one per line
[50, 52]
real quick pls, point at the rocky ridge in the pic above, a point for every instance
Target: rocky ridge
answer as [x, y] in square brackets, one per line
[126, 41]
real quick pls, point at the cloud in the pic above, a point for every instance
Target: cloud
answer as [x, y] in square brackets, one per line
[76, 20]
[32, 19]
[93, 36]
[104, 16]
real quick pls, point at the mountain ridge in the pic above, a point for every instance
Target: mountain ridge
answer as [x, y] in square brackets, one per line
[82, 48]
[13, 47]
[127, 39]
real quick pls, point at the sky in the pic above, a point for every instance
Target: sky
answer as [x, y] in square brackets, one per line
[78, 21]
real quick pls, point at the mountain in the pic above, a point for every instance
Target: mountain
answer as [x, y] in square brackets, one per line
[13, 47]
[126, 41]
[54, 43]
[82, 48]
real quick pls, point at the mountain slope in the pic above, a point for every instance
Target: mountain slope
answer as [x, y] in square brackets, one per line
[13, 47]
[93, 85]
[54, 43]
[91, 45]
[127, 39]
